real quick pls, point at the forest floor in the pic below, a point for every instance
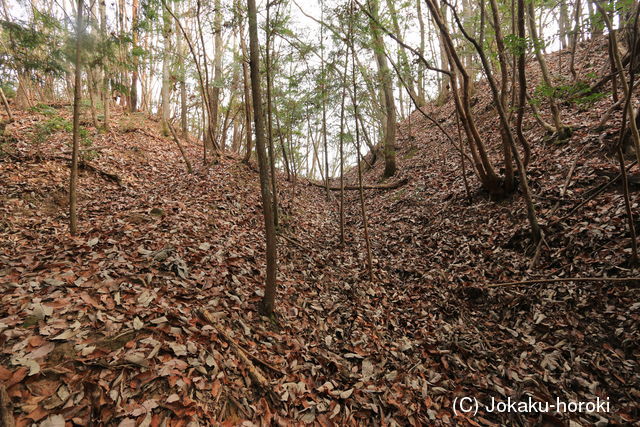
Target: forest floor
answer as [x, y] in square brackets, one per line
[148, 317]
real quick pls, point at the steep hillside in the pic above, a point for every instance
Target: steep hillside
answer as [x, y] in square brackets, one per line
[149, 317]
[444, 253]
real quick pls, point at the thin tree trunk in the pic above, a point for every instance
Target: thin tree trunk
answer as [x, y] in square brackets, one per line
[323, 95]
[183, 110]
[574, 39]
[522, 80]
[627, 89]
[77, 93]
[285, 157]
[247, 98]
[271, 151]
[362, 207]
[268, 301]
[464, 169]
[560, 129]
[420, 82]
[134, 73]
[94, 116]
[106, 93]
[166, 82]
[504, 81]
[217, 73]
[403, 59]
[342, 123]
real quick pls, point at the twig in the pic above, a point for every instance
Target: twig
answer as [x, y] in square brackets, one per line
[607, 115]
[592, 196]
[567, 180]
[564, 279]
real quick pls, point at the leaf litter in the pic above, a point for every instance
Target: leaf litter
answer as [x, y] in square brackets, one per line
[148, 317]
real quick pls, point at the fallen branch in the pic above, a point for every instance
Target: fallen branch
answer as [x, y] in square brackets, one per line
[107, 175]
[87, 149]
[564, 279]
[256, 375]
[6, 105]
[184, 155]
[88, 166]
[593, 195]
[389, 186]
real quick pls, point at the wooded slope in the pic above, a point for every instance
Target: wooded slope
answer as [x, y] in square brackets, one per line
[149, 315]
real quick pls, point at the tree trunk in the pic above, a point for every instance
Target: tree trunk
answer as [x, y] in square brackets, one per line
[77, 93]
[268, 301]
[403, 59]
[546, 76]
[166, 78]
[247, 98]
[357, 141]
[387, 88]
[574, 39]
[106, 93]
[420, 82]
[272, 160]
[134, 74]
[217, 75]
[486, 173]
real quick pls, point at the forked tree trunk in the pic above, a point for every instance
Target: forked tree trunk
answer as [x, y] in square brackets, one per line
[628, 113]
[486, 173]
[506, 129]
